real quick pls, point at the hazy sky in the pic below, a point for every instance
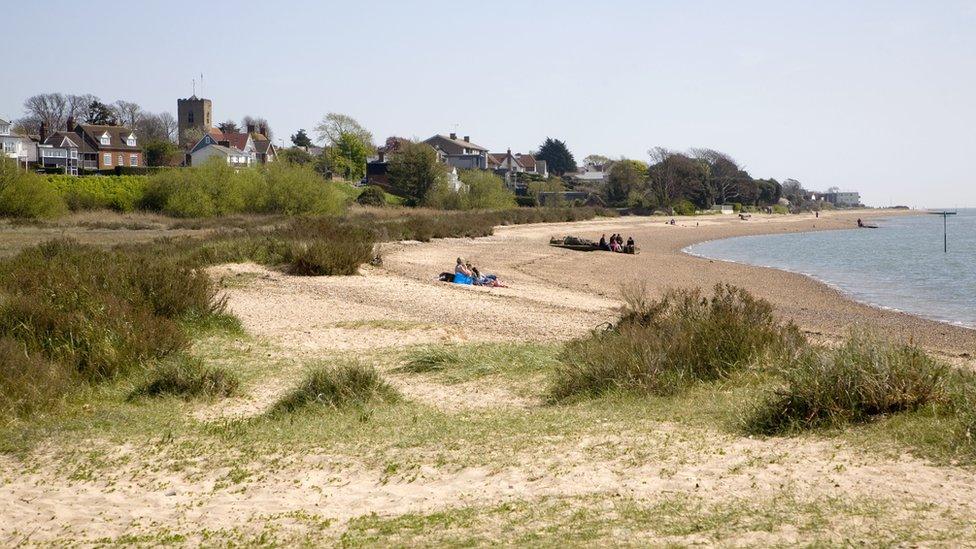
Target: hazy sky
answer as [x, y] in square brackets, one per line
[878, 97]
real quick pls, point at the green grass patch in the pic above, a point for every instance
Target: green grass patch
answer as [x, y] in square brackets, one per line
[342, 386]
[186, 377]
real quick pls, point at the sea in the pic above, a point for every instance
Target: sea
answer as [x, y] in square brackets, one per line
[901, 265]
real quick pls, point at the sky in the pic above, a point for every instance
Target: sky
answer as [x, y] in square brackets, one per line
[877, 97]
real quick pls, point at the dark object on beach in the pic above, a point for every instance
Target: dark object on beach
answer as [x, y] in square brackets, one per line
[744, 216]
[446, 277]
[583, 244]
[863, 225]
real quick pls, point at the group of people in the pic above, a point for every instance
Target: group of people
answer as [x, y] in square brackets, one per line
[616, 244]
[466, 273]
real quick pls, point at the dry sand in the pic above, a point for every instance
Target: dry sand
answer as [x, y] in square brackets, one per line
[554, 295]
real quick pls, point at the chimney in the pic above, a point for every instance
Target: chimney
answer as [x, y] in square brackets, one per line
[509, 152]
[43, 135]
[453, 136]
[263, 130]
[467, 138]
[250, 128]
[71, 124]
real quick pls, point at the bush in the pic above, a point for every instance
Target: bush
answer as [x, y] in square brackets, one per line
[218, 189]
[660, 347]
[684, 207]
[99, 313]
[188, 378]
[27, 195]
[324, 246]
[864, 378]
[29, 383]
[120, 193]
[780, 209]
[336, 387]
[372, 195]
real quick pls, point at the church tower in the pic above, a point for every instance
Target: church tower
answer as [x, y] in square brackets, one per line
[194, 118]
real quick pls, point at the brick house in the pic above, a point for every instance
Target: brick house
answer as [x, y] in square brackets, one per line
[105, 147]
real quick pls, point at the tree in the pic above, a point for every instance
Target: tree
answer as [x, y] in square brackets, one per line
[229, 126]
[295, 156]
[301, 139]
[162, 153]
[126, 113]
[770, 191]
[100, 114]
[333, 125]
[484, 190]
[347, 157]
[627, 181]
[414, 170]
[156, 127]
[557, 156]
[674, 177]
[794, 192]
[258, 123]
[596, 160]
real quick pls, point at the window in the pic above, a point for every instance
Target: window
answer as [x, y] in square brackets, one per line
[131, 140]
[107, 159]
[133, 159]
[189, 117]
[121, 161]
[105, 139]
[74, 154]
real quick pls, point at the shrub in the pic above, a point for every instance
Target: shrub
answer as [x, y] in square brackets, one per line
[296, 190]
[29, 383]
[120, 193]
[780, 209]
[188, 378]
[684, 207]
[100, 313]
[662, 346]
[324, 246]
[27, 195]
[372, 195]
[864, 378]
[336, 387]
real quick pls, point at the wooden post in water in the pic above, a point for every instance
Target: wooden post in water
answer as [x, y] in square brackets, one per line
[945, 229]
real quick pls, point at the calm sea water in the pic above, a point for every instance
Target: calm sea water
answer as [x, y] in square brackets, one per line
[899, 266]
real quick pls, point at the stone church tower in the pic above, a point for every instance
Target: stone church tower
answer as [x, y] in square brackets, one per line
[194, 118]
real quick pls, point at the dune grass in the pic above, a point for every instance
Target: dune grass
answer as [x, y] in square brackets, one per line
[663, 346]
[186, 377]
[341, 386]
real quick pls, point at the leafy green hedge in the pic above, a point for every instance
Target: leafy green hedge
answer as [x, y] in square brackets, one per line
[116, 192]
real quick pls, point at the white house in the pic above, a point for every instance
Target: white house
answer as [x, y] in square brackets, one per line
[232, 155]
[16, 147]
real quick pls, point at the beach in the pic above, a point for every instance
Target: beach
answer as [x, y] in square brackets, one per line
[557, 294]
[474, 455]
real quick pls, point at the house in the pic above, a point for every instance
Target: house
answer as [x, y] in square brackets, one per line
[105, 147]
[510, 165]
[460, 153]
[253, 144]
[590, 174]
[234, 156]
[59, 152]
[840, 199]
[16, 147]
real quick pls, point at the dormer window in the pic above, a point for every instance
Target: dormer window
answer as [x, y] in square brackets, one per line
[105, 139]
[131, 140]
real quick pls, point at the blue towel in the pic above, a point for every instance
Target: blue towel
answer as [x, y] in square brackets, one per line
[460, 278]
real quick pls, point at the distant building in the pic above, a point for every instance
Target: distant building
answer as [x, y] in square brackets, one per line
[460, 153]
[59, 151]
[194, 118]
[16, 147]
[510, 165]
[840, 199]
[106, 147]
[253, 144]
[233, 156]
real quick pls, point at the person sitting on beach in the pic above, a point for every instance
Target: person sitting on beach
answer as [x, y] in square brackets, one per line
[462, 268]
[630, 248]
[614, 245]
[860, 223]
[672, 221]
[603, 243]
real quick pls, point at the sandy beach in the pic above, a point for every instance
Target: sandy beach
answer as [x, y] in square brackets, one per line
[483, 443]
[557, 294]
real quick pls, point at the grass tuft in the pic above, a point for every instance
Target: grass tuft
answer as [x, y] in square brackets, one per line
[347, 385]
[188, 378]
[430, 360]
[865, 378]
[663, 346]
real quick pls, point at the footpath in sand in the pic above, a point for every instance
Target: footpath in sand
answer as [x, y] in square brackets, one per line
[554, 295]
